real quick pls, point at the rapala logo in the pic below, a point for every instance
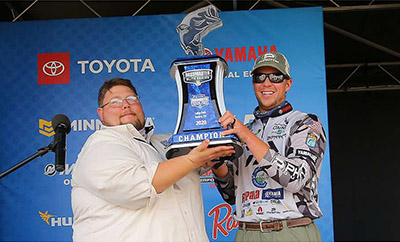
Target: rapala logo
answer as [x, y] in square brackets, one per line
[222, 223]
[120, 65]
[53, 68]
[243, 54]
[54, 220]
[45, 128]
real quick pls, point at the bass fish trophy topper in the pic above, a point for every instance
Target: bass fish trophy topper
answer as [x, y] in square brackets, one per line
[199, 81]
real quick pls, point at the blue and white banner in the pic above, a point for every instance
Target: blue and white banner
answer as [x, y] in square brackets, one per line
[57, 66]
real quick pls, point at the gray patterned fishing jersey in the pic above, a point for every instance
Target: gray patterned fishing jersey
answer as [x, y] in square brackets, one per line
[284, 184]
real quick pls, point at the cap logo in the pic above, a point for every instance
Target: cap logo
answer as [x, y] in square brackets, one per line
[269, 55]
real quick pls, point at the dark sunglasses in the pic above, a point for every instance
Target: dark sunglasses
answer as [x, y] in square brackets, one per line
[274, 78]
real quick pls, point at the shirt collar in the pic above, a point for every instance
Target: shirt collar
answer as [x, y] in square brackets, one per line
[127, 129]
[282, 108]
[130, 130]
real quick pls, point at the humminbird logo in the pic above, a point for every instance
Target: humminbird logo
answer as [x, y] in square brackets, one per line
[45, 128]
[197, 76]
[54, 220]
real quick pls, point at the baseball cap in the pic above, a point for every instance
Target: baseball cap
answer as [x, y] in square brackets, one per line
[273, 59]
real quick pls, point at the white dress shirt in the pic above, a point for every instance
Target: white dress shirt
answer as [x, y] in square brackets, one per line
[113, 198]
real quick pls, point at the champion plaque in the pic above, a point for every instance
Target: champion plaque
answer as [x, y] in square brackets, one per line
[199, 81]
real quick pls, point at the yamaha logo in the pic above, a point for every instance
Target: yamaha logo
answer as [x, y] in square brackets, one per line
[53, 68]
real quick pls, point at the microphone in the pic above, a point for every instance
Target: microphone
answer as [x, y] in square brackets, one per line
[62, 126]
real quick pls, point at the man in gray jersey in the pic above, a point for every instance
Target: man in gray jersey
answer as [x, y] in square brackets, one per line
[274, 184]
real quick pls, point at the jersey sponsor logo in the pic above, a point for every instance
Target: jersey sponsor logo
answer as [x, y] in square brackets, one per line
[307, 154]
[248, 211]
[273, 211]
[259, 177]
[250, 195]
[272, 194]
[314, 125]
[259, 211]
[265, 194]
[279, 135]
[312, 139]
[295, 172]
[278, 131]
[279, 126]
[53, 68]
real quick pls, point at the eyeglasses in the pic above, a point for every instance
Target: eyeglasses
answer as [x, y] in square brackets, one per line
[117, 102]
[274, 78]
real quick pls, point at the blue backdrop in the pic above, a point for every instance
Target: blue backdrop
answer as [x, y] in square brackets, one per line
[35, 199]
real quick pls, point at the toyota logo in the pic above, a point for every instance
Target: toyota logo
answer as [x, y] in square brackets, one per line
[53, 68]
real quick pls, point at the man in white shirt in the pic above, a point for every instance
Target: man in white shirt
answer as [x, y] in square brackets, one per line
[123, 190]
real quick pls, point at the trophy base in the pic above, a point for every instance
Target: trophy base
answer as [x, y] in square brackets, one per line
[178, 149]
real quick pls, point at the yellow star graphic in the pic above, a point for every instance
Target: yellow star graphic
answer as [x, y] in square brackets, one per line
[45, 216]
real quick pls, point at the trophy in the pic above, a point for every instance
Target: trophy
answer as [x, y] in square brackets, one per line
[199, 81]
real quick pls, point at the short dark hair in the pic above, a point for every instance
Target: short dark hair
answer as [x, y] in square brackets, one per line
[107, 85]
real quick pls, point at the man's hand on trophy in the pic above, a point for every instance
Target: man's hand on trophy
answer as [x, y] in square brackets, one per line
[202, 155]
[234, 126]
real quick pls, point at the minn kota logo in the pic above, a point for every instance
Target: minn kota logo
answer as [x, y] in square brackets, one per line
[45, 128]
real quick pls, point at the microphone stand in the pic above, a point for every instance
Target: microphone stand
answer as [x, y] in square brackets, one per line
[41, 152]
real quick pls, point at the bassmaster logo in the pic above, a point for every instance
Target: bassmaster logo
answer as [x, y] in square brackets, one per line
[79, 125]
[54, 220]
